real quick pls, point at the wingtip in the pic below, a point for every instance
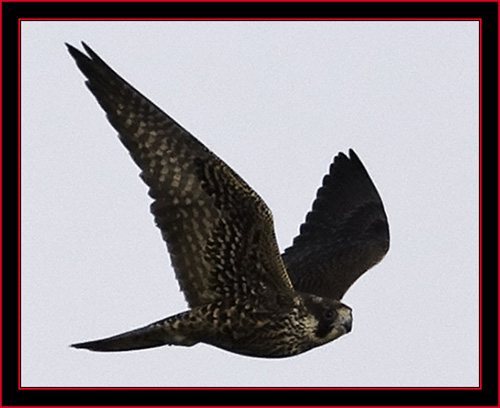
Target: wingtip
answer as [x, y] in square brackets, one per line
[350, 156]
[70, 48]
[341, 156]
[89, 50]
[76, 52]
[353, 155]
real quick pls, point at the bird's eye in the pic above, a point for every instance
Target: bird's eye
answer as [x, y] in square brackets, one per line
[329, 314]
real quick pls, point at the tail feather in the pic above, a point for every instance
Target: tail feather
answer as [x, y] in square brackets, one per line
[156, 334]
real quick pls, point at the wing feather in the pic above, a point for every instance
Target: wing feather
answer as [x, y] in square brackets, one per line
[344, 234]
[219, 232]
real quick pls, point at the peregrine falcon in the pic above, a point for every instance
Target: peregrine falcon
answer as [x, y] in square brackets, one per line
[243, 296]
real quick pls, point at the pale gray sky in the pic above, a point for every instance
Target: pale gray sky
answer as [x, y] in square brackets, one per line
[276, 101]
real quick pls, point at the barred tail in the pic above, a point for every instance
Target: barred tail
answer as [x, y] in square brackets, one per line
[160, 333]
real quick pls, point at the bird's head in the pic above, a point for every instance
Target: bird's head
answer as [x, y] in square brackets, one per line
[331, 318]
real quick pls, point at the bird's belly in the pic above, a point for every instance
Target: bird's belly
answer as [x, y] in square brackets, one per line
[272, 340]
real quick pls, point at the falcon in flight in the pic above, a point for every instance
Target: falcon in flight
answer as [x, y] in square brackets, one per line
[243, 295]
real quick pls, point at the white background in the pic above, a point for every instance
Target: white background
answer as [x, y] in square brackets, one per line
[276, 101]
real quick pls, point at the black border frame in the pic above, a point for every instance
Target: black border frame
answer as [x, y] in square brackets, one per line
[12, 12]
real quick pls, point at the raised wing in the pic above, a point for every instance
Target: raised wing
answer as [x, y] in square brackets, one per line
[344, 234]
[218, 231]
